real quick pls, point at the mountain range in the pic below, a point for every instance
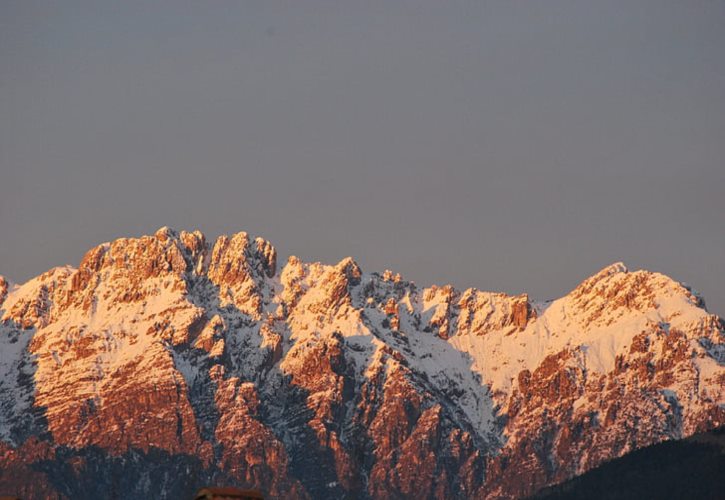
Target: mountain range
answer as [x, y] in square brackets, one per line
[165, 363]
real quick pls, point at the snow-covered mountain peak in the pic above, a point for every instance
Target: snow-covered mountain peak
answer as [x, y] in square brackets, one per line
[5, 285]
[349, 267]
[616, 267]
[615, 293]
[165, 232]
[194, 349]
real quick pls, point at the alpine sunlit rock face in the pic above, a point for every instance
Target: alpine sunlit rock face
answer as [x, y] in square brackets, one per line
[165, 363]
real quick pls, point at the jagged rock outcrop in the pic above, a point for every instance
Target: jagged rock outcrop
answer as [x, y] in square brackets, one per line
[166, 362]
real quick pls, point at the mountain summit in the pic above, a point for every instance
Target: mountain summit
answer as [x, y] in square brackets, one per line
[165, 363]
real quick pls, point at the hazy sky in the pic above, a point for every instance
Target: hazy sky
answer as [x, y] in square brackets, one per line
[513, 146]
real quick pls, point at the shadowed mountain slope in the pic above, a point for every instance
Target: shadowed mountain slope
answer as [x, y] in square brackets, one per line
[685, 469]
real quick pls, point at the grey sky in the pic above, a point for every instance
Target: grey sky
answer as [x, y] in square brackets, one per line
[513, 146]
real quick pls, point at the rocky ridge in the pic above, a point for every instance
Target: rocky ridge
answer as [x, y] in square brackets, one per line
[165, 362]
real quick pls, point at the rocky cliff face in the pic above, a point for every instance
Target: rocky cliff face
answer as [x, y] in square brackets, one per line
[165, 362]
